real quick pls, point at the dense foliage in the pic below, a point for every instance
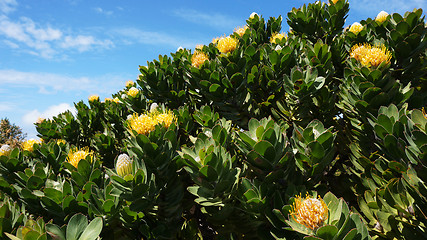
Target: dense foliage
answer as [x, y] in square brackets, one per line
[319, 133]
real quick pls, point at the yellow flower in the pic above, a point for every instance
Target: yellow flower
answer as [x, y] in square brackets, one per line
[199, 47]
[116, 100]
[75, 155]
[29, 144]
[133, 92]
[369, 56]
[130, 83]
[215, 40]
[165, 118]
[358, 51]
[333, 1]
[310, 212]
[123, 165]
[356, 28]
[198, 59]
[241, 30]
[93, 98]
[60, 141]
[227, 44]
[5, 150]
[107, 99]
[276, 36]
[381, 17]
[40, 120]
[143, 124]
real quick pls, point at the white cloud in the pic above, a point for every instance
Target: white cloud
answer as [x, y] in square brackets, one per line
[45, 41]
[372, 8]
[7, 6]
[49, 83]
[102, 11]
[84, 43]
[154, 38]
[31, 117]
[215, 20]
[6, 106]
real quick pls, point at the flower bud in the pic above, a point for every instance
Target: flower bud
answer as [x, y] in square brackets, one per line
[123, 165]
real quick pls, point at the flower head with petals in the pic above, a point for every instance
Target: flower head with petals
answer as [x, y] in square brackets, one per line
[381, 17]
[76, 155]
[227, 44]
[356, 28]
[310, 212]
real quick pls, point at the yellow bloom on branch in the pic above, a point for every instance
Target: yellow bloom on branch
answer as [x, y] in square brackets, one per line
[5, 150]
[143, 124]
[116, 100]
[276, 36]
[227, 44]
[75, 155]
[310, 212]
[198, 59]
[165, 118]
[334, 1]
[130, 83]
[133, 92]
[29, 144]
[146, 123]
[369, 55]
[381, 17]
[241, 30]
[356, 28]
[93, 98]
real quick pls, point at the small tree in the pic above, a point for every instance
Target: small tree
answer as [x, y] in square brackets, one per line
[10, 133]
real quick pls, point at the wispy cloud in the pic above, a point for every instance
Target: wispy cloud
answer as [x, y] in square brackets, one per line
[31, 117]
[131, 35]
[45, 41]
[215, 20]
[391, 6]
[102, 11]
[7, 6]
[50, 83]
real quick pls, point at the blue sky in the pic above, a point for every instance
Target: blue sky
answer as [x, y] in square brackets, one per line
[55, 53]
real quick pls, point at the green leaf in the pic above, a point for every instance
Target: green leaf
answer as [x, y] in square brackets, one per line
[327, 232]
[76, 226]
[55, 232]
[266, 150]
[209, 173]
[93, 230]
[316, 149]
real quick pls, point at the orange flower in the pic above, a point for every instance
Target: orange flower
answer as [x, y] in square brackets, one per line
[198, 59]
[310, 212]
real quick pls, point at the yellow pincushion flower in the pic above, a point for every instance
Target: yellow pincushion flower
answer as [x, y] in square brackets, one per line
[356, 28]
[165, 118]
[359, 51]
[215, 40]
[369, 56]
[241, 30]
[143, 124]
[107, 99]
[123, 165]
[130, 83]
[334, 1]
[116, 100]
[75, 155]
[133, 92]
[60, 141]
[198, 59]
[276, 36]
[93, 98]
[381, 17]
[227, 44]
[310, 212]
[29, 144]
[5, 150]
